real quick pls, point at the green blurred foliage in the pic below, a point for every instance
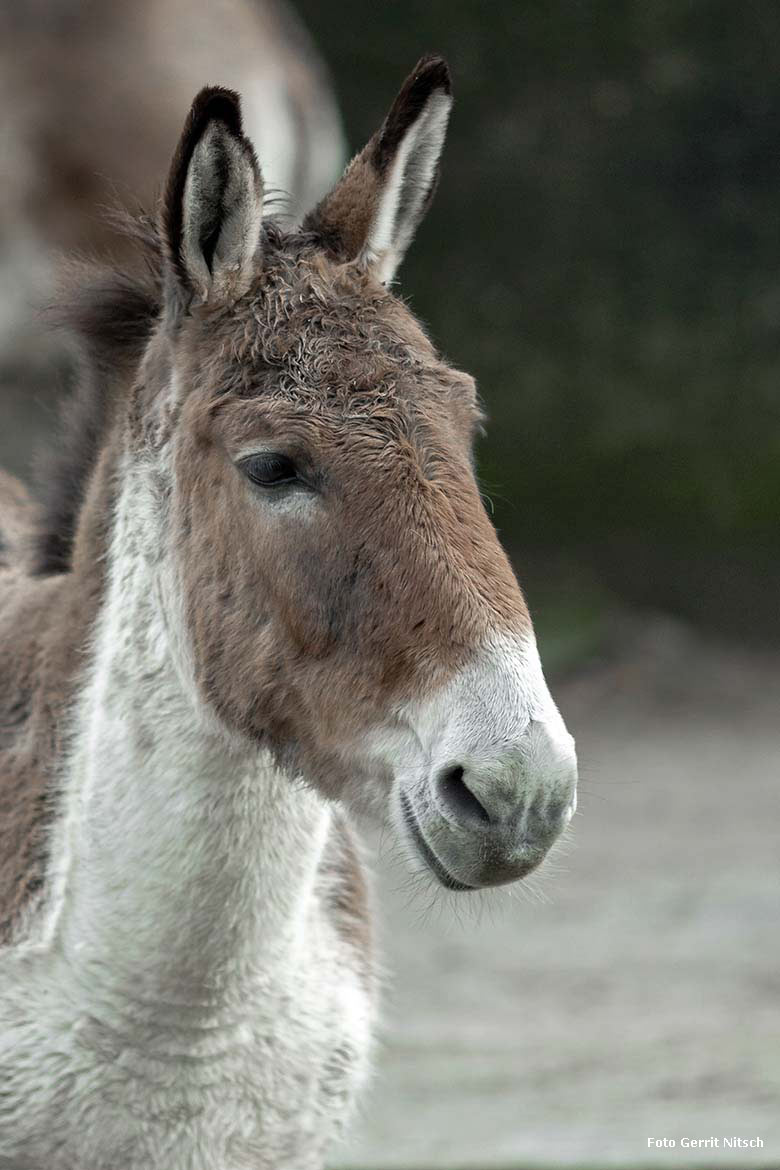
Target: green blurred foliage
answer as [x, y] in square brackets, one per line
[604, 255]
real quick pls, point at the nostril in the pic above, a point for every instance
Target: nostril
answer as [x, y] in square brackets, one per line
[458, 797]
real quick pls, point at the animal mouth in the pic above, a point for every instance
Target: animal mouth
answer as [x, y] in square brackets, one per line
[424, 849]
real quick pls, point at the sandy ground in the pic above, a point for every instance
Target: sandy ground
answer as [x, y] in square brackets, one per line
[633, 990]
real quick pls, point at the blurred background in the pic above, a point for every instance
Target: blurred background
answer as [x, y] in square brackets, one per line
[604, 255]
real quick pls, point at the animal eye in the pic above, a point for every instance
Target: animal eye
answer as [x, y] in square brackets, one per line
[269, 469]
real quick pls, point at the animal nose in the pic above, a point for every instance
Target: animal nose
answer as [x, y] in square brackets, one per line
[524, 791]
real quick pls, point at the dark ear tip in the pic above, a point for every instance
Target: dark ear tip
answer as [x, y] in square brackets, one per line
[217, 102]
[434, 72]
[430, 75]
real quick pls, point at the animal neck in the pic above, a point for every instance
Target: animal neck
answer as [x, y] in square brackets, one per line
[184, 861]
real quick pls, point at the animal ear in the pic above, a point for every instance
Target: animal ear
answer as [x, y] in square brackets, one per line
[373, 211]
[213, 202]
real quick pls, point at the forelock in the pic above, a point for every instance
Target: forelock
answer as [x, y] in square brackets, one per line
[312, 330]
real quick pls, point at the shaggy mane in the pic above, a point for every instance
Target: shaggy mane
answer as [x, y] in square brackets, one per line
[110, 314]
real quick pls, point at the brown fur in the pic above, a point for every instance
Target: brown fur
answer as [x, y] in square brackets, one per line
[44, 631]
[407, 576]
[345, 890]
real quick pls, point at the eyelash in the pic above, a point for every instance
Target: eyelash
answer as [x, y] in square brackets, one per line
[270, 470]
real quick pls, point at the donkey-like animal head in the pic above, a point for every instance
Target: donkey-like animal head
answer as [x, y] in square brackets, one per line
[344, 598]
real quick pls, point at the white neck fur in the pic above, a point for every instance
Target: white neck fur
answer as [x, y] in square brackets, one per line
[184, 859]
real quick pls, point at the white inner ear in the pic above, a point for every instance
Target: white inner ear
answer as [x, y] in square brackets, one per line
[223, 198]
[405, 188]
